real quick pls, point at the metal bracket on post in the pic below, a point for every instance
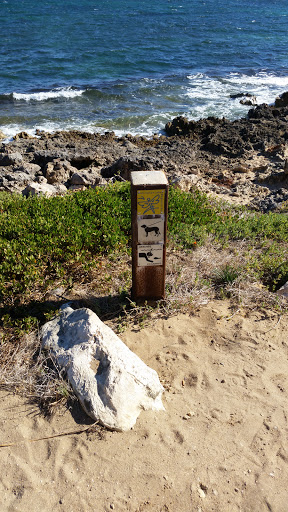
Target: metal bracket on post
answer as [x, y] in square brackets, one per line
[149, 209]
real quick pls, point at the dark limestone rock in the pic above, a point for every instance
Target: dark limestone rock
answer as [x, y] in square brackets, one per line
[43, 156]
[83, 160]
[123, 167]
[249, 101]
[28, 168]
[273, 200]
[241, 95]
[10, 158]
[180, 126]
[282, 100]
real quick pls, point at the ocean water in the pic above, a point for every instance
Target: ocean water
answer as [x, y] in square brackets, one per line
[132, 65]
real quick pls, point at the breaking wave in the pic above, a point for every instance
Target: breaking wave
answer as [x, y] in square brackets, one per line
[66, 92]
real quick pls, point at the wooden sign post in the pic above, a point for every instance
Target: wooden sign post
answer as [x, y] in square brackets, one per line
[149, 208]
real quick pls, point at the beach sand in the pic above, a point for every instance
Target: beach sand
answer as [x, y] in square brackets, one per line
[221, 444]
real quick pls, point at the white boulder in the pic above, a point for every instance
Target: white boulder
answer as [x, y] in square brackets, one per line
[43, 189]
[120, 387]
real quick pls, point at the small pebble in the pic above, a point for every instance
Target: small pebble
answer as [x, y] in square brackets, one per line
[201, 493]
[189, 415]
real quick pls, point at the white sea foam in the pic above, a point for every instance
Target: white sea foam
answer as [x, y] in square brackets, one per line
[147, 128]
[211, 95]
[66, 92]
[11, 130]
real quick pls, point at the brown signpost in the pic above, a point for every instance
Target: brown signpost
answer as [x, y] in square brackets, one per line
[149, 208]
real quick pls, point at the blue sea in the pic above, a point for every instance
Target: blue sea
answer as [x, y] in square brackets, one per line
[132, 65]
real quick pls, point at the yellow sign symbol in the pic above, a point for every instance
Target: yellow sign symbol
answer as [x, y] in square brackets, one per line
[150, 202]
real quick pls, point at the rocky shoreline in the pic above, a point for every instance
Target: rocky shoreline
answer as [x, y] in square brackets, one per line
[243, 161]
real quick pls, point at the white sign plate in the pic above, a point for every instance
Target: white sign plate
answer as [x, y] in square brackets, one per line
[150, 255]
[150, 230]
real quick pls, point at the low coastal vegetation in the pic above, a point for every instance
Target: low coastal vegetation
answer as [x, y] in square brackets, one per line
[78, 247]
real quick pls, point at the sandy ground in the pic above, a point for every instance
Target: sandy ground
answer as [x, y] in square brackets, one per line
[221, 445]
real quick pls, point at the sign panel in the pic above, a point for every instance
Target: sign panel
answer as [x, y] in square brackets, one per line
[150, 230]
[150, 255]
[150, 202]
[149, 210]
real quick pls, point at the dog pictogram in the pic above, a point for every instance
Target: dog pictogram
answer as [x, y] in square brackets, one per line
[151, 229]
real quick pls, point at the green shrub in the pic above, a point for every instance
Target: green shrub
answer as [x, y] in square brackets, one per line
[42, 238]
[39, 235]
[192, 216]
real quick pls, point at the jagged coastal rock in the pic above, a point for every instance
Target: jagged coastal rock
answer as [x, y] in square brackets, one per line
[111, 382]
[243, 161]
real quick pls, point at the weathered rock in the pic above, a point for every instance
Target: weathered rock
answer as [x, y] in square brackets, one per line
[249, 101]
[10, 158]
[44, 189]
[138, 161]
[28, 168]
[121, 385]
[282, 100]
[99, 182]
[242, 169]
[40, 179]
[82, 160]
[44, 156]
[78, 179]
[2, 135]
[179, 126]
[5, 185]
[241, 95]
[58, 171]
[86, 177]
[185, 183]
[273, 200]
[74, 188]
[15, 178]
[272, 177]
[23, 135]
[123, 167]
